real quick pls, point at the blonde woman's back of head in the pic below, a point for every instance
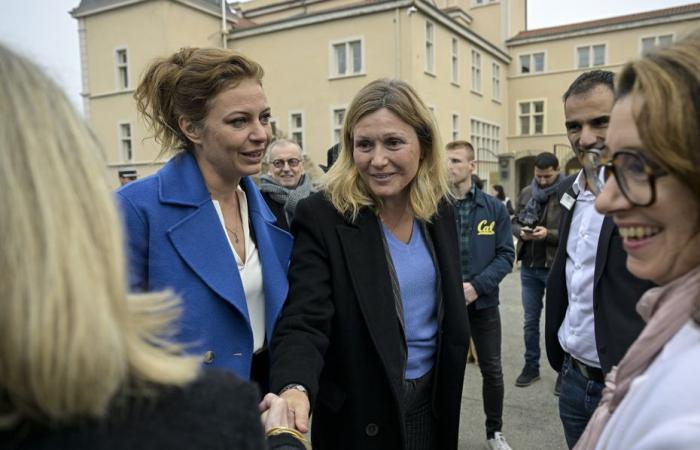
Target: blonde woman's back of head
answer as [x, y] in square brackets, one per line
[70, 339]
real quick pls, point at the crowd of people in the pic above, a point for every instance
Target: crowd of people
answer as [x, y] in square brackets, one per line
[201, 307]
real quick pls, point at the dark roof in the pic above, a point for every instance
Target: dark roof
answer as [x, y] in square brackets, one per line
[591, 24]
[89, 5]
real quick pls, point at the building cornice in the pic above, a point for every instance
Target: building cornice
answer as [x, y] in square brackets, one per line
[605, 29]
[426, 9]
[101, 9]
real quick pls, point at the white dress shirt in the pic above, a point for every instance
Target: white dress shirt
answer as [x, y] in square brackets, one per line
[577, 331]
[250, 272]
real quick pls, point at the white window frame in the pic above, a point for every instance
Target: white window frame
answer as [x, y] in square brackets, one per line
[656, 40]
[127, 154]
[531, 58]
[455, 126]
[531, 114]
[496, 81]
[337, 128]
[591, 55]
[490, 140]
[476, 71]
[430, 47]
[349, 60]
[294, 129]
[121, 70]
[455, 61]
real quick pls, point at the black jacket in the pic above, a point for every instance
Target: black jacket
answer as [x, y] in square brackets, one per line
[615, 294]
[339, 334]
[216, 412]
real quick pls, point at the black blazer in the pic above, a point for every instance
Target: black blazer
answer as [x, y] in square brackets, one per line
[278, 210]
[339, 334]
[615, 294]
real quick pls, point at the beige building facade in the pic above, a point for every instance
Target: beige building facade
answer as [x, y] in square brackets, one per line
[486, 78]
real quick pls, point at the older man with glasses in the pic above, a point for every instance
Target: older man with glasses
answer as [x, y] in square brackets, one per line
[285, 182]
[591, 318]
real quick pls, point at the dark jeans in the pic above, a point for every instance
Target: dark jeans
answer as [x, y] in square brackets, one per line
[486, 332]
[533, 282]
[578, 400]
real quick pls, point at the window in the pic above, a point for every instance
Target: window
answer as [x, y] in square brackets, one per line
[590, 56]
[532, 63]
[486, 139]
[125, 146]
[455, 127]
[337, 117]
[649, 43]
[496, 81]
[429, 47]
[455, 61]
[296, 128]
[476, 71]
[531, 117]
[122, 68]
[347, 58]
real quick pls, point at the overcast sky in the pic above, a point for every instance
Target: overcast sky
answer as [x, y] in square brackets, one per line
[44, 29]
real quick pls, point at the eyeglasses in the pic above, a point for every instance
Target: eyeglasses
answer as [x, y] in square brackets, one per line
[279, 163]
[635, 175]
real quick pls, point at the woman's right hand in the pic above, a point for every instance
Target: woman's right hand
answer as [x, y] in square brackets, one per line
[298, 408]
[275, 412]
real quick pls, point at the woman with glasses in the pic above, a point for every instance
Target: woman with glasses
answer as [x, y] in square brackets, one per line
[652, 398]
[374, 333]
[199, 226]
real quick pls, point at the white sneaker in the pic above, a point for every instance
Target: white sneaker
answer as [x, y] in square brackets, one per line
[498, 442]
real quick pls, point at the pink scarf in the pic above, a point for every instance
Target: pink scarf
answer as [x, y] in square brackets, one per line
[665, 309]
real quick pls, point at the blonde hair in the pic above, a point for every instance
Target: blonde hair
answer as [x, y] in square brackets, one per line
[343, 185]
[667, 81]
[71, 341]
[184, 85]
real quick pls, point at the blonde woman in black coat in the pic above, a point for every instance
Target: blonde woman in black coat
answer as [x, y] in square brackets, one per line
[374, 333]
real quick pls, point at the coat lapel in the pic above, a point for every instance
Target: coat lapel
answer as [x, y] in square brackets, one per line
[199, 238]
[274, 249]
[368, 268]
[601, 256]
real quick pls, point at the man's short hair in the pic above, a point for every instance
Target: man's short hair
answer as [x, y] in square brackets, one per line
[462, 144]
[281, 141]
[128, 173]
[587, 81]
[545, 160]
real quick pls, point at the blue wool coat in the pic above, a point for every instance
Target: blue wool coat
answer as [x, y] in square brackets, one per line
[176, 241]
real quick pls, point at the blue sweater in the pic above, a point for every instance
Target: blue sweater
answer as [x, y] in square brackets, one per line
[417, 278]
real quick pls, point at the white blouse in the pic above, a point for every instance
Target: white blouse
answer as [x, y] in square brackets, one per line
[250, 272]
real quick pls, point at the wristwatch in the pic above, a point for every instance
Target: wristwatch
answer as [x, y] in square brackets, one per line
[297, 387]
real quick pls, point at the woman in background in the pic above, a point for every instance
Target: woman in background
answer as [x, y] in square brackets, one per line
[374, 334]
[652, 398]
[199, 226]
[498, 192]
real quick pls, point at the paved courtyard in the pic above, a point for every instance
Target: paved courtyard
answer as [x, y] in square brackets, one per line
[530, 416]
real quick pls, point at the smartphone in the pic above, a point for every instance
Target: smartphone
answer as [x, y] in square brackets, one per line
[527, 229]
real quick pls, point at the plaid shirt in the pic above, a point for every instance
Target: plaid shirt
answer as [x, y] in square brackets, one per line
[464, 209]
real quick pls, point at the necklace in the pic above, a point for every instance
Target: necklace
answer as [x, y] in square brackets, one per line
[235, 235]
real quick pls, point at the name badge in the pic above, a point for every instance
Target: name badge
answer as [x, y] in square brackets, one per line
[567, 201]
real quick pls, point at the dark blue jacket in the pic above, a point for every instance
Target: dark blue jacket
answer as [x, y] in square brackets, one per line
[491, 249]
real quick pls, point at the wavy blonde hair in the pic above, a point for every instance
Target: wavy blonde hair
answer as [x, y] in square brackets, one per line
[184, 85]
[667, 81]
[71, 340]
[343, 185]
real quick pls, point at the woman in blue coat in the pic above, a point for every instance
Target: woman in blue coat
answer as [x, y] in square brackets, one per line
[199, 226]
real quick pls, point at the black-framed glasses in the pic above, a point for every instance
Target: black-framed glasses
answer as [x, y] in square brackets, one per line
[292, 162]
[635, 175]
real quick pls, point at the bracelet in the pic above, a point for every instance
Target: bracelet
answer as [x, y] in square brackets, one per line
[276, 431]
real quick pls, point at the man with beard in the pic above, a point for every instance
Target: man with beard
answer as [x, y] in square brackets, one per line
[285, 182]
[536, 226]
[591, 318]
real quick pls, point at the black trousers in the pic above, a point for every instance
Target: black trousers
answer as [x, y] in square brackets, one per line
[486, 333]
[420, 421]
